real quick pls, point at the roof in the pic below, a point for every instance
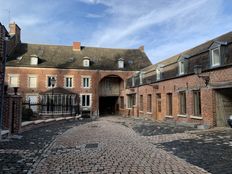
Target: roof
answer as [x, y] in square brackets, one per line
[223, 39]
[64, 57]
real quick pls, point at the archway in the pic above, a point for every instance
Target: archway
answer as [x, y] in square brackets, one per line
[109, 91]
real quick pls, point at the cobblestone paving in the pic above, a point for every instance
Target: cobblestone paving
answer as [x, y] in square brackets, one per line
[19, 153]
[211, 150]
[104, 146]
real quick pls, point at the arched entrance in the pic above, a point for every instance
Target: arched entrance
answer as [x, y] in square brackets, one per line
[109, 91]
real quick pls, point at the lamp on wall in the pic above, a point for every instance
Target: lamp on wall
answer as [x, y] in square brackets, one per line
[198, 71]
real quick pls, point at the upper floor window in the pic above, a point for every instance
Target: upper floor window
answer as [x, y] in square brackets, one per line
[86, 62]
[32, 82]
[181, 68]
[121, 63]
[34, 60]
[141, 74]
[68, 82]
[86, 82]
[51, 81]
[215, 57]
[133, 81]
[13, 80]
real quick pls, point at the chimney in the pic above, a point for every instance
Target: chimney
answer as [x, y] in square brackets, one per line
[141, 48]
[15, 30]
[76, 46]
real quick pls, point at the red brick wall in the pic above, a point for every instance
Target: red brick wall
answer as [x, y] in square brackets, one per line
[188, 84]
[42, 73]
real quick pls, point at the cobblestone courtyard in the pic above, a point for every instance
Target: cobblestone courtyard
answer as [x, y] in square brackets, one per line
[117, 145]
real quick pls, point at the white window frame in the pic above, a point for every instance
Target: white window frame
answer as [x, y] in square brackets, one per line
[84, 85]
[90, 99]
[55, 76]
[86, 62]
[213, 64]
[181, 66]
[158, 74]
[17, 80]
[65, 80]
[120, 63]
[29, 82]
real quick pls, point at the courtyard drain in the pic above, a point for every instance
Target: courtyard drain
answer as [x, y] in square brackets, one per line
[91, 146]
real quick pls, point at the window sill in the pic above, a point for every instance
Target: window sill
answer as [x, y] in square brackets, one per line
[168, 116]
[149, 112]
[196, 117]
[184, 116]
[141, 111]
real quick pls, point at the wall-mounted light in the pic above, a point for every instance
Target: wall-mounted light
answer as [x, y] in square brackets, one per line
[198, 71]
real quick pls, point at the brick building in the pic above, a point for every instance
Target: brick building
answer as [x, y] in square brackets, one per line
[193, 87]
[60, 80]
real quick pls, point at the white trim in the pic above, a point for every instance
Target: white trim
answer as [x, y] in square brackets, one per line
[196, 117]
[169, 116]
[184, 116]
[82, 81]
[28, 80]
[212, 57]
[18, 80]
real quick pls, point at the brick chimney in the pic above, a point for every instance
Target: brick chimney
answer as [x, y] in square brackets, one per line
[76, 46]
[141, 48]
[15, 30]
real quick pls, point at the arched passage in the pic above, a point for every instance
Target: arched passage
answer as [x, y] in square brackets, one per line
[109, 91]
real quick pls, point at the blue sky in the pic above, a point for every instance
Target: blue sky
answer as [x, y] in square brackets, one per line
[164, 27]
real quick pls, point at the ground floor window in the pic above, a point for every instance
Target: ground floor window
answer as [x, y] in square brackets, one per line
[169, 104]
[182, 102]
[197, 103]
[131, 100]
[85, 100]
[141, 103]
[149, 103]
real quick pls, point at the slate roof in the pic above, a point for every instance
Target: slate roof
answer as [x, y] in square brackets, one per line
[64, 57]
[225, 38]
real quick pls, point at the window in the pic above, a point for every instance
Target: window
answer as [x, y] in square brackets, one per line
[149, 103]
[215, 57]
[86, 82]
[197, 103]
[133, 81]
[14, 81]
[141, 103]
[141, 74]
[86, 62]
[68, 82]
[181, 67]
[158, 99]
[169, 104]
[182, 102]
[122, 102]
[121, 63]
[131, 100]
[34, 60]
[49, 81]
[85, 100]
[158, 74]
[32, 82]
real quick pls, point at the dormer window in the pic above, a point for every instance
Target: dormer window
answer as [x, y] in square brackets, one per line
[182, 64]
[34, 60]
[86, 62]
[133, 81]
[159, 71]
[120, 63]
[158, 74]
[181, 67]
[141, 74]
[215, 57]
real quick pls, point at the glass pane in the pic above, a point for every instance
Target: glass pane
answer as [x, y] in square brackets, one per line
[87, 100]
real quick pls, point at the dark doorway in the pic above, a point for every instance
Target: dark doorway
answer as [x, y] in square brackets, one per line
[108, 105]
[223, 106]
